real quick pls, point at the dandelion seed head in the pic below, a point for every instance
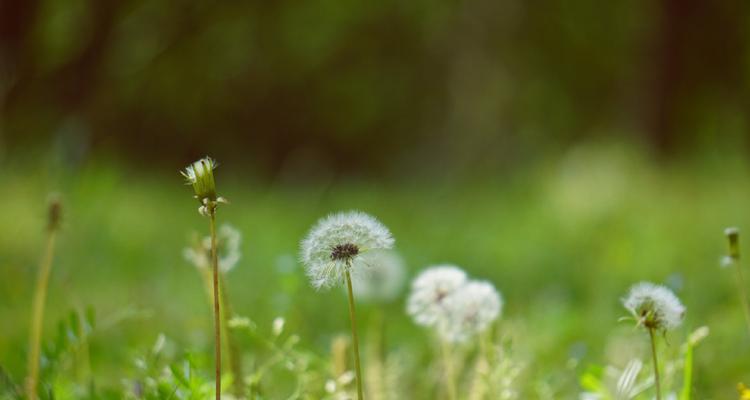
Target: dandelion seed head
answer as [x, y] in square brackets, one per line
[228, 241]
[430, 289]
[200, 175]
[341, 242]
[654, 306]
[470, 310]
[383, 278]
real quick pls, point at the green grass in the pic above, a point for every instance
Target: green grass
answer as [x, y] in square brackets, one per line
[562, 242]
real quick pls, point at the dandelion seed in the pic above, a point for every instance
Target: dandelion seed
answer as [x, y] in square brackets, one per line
[470, 310]
[384, 278]
[340, 243]
[429, 291]
[654, 306]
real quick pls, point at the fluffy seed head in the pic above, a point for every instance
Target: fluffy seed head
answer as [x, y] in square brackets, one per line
[228, 240]
[200, 175]
[470, 310]
[341, 242]
[654, 306]
[430, 289]
[383, 280]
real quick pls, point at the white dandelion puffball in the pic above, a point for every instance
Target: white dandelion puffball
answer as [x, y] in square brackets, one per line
[383, 278]
[654, 306]
[430, 289]
[470, 310]
[338, 243]
[228, 240]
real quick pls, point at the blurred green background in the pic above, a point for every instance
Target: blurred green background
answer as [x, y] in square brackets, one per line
[563, 150]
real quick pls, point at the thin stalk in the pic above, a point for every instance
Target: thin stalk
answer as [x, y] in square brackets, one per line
[450, 376]
[217, 310]
[743, 294]
[233, 350]
[355, 339]
[37, 315]
[656, 363]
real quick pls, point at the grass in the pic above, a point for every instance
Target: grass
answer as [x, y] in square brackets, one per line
[561, 241]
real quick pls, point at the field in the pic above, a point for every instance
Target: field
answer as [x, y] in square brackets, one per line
[562, 241]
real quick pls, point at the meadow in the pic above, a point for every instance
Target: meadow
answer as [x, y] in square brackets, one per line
[562, 241]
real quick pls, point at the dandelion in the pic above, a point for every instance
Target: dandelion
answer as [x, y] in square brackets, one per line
[336, 247]
[430, 290]
[340, 244]
[470, 310]
[733, 259]
[654, 306]
[442, 297]
[383, 280]
[657, 309]
[200, 175]
[40, 294]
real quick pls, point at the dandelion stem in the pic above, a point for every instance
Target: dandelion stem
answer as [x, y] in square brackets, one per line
[733, 236]
[217, 310]
[449, 374]
[233, 350]
[743, 293]
[656, 362]
[40, 295]
[355, 339]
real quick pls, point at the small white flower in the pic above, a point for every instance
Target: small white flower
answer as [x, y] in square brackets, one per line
[339, 243]
[228, 241]
[470, 310]
[654, 306]
[383, 281]
[429, 291]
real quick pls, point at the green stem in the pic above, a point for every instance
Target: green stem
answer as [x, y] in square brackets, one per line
[743, 294]
[217, 310]
[37, 316]
[656, 363]
[450, 382]
[355, 339]
[233, 350]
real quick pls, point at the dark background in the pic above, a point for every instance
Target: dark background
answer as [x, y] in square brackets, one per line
[371, 87]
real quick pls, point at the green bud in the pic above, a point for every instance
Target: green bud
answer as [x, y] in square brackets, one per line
[733, 234]
[200, 175]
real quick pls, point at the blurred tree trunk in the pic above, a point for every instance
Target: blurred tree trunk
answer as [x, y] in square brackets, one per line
[698, 48]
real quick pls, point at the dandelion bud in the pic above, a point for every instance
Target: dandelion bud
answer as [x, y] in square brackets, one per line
[733, 235]
[200, 175]
[54, 213]
[654, 306]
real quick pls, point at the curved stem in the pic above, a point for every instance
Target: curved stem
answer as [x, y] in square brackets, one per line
[656, 362]
[355, 339]
[450, 382]
[37, 317]
[217, 310]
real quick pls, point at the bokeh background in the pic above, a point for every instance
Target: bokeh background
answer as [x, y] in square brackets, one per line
[561, 149]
